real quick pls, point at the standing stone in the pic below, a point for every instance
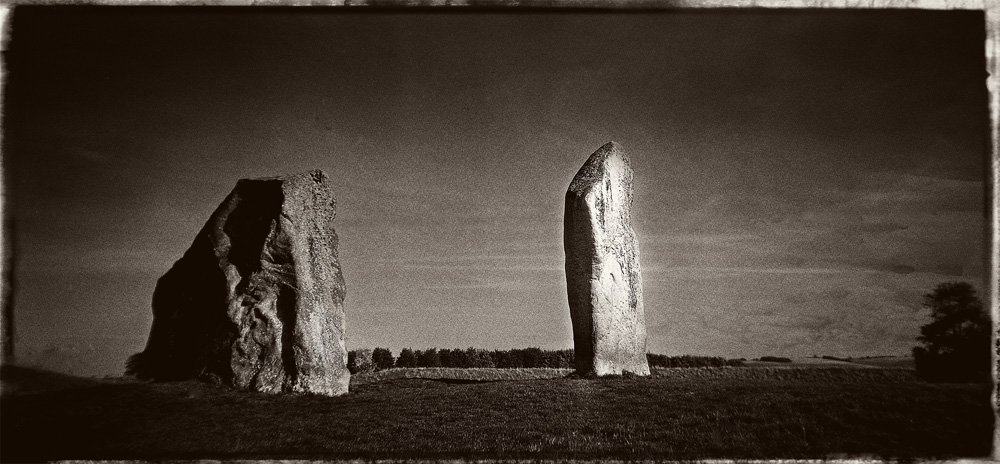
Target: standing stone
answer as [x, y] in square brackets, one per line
[602, 267]
[257, 302]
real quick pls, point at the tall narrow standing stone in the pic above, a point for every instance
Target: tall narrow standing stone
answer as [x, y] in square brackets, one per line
[602, 267]
[257, 301]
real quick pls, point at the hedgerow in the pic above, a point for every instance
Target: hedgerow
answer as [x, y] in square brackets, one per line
[533, 357]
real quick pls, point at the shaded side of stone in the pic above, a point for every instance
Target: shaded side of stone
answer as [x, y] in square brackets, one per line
[602, 267]
[257, 301]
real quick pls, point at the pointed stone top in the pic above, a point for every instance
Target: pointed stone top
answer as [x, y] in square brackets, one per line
[612, 145]
[314, 175]
[598, 164]
[314, 180]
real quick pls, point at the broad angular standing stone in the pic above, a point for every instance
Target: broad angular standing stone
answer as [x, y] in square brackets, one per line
[257, 301]
[602, 267]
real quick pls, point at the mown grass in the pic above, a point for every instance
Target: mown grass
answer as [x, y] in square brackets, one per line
[675, 414]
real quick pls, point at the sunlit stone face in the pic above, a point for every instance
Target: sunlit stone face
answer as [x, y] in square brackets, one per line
[602, 267]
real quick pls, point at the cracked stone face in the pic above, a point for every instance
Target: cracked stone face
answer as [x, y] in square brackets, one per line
[602, 267]
[257, 302]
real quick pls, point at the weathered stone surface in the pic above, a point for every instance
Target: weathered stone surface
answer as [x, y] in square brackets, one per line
[602, 267]
[257, 301]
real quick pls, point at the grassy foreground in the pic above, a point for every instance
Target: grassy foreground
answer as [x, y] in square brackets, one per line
[675, 414]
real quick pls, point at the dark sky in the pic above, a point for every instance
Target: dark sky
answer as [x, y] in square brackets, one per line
[803, 177]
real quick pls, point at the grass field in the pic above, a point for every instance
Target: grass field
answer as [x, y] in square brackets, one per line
[675, 414]
[887, 361]
[454, 373]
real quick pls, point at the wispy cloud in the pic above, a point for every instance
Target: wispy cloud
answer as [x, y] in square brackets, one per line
[499, 284]
[736, 271]
[488, 263]
[704, 239]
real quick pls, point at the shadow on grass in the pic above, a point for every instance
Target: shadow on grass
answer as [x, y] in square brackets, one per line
[679, 415]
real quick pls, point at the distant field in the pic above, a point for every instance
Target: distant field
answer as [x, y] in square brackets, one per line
[887, 361]
[753, 370]
[675, 414]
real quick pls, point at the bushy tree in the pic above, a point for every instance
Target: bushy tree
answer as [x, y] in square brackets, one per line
[360, 361]
[453, 358]
[469, 357]
[428, 358]
[478, 358]
[446, 358]
[531, 357]
[956, 343]
[406, 358]
[382, 358]
[567, 359]
[501, 358]
[660, 360]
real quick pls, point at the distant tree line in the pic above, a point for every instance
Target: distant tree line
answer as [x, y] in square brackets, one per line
[660, 360]
[475, 357]
[382, 358]
[774, 359]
